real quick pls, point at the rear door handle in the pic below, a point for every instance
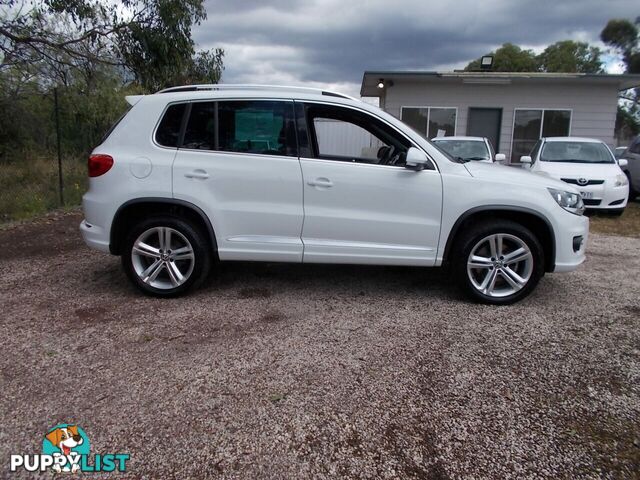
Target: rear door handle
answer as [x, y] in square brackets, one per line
[198, 173]
[320, 182]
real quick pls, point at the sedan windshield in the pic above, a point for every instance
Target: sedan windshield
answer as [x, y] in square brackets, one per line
[576, 152]
[465, 149]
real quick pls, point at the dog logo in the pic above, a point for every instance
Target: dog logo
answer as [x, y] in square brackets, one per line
[582, 181]
[69, 442]
[66, 449]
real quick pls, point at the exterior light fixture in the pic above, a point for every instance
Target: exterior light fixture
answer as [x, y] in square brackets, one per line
[486, 62]
[381, 83]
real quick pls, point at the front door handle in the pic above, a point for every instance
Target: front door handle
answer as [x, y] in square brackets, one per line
[320, 182]
[198, 173]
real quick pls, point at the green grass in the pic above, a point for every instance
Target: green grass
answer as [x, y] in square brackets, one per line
[29, 187]
[627, 225]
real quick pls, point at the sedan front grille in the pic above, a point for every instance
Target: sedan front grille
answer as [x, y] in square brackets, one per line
[574, 181]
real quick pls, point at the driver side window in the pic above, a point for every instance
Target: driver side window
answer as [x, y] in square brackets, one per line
[348, 135]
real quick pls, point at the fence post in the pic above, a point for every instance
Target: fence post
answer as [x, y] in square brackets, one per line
[60, 184]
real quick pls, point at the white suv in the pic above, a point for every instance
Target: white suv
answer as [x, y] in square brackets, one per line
[197, 174]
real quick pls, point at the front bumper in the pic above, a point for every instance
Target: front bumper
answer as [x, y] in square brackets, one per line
[567, 239]
[605, 196]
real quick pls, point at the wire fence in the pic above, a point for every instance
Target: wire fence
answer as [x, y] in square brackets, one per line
[44, 176]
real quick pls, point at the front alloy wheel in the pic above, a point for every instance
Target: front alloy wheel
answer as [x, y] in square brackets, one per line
[498, 262]
[500, 265]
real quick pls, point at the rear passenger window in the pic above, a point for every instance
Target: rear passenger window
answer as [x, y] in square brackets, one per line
[201, 129]
[168, 133]
[263, 127]
[256, 126]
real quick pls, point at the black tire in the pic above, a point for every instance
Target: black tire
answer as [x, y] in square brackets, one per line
[202, 253]
[475, 234]
[632, 193]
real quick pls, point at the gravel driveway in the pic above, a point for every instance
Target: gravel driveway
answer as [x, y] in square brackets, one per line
[288, 371]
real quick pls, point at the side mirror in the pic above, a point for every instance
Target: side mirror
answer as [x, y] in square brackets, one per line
[500, 157]
[526, 161]
[416, 159]
[623, 162]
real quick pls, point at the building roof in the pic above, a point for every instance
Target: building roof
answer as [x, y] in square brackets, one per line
[371, 78]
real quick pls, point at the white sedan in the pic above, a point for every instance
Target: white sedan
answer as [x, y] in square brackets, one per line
[586, 163]
[469, 148]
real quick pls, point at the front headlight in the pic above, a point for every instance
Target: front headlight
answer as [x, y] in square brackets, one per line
[571, 202]
[621, 181]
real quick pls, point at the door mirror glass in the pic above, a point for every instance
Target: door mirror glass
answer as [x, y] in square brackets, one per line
[416, 159]
[623, 162]
[500, 157]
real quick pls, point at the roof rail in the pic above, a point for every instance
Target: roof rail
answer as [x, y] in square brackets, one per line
[226, 86]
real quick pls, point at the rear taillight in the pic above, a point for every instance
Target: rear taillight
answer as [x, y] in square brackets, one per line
[99, 165]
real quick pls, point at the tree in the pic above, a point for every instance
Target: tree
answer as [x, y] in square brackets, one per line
[570, 57]
[151, 39]
[564, 56]
[623, 36]
[509, 58]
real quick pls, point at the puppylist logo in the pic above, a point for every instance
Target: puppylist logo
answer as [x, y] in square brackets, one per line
[66, 449]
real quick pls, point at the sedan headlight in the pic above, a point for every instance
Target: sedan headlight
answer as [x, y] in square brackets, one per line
[571, 202]
[621, 181]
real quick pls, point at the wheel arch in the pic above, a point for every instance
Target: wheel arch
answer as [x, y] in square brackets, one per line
[539, 225]
[134, 210]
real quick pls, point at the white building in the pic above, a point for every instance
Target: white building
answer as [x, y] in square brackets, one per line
[512, 109]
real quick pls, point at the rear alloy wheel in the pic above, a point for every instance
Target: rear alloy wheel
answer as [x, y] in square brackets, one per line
[166, 256]
[499, 263]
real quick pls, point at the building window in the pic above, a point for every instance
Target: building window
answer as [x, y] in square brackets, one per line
[529, 125]
[431, 121]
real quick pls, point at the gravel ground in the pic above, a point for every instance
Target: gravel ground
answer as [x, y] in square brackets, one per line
[289, 371]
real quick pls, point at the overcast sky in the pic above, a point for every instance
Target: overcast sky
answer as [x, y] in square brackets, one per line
[330, 43]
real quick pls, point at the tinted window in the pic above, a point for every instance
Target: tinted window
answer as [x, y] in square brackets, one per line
[635, 148]
[576, 152]
[430, 121]
[531, 125]
[526, 132]
[200, 133]
[556, 123]
[168, 133]
[442, 122]
[263, 127]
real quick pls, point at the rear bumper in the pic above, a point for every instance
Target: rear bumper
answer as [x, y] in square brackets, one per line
[574, 232]
[95, 227]
[94, 236]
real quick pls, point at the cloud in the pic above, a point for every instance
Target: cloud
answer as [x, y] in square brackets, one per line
[330, 43]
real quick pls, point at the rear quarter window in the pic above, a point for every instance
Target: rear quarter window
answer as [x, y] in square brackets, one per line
[168, 132]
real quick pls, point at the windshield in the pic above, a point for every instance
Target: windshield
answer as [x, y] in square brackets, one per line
[465, 149]
[576, 152]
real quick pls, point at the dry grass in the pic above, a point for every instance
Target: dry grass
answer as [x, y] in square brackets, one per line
[29, 187]
[627, 225]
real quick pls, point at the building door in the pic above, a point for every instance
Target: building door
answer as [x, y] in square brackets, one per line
[485, 122]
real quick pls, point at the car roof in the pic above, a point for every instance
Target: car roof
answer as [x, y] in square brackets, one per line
[248, 92]
[459, 137]
[573, 139]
